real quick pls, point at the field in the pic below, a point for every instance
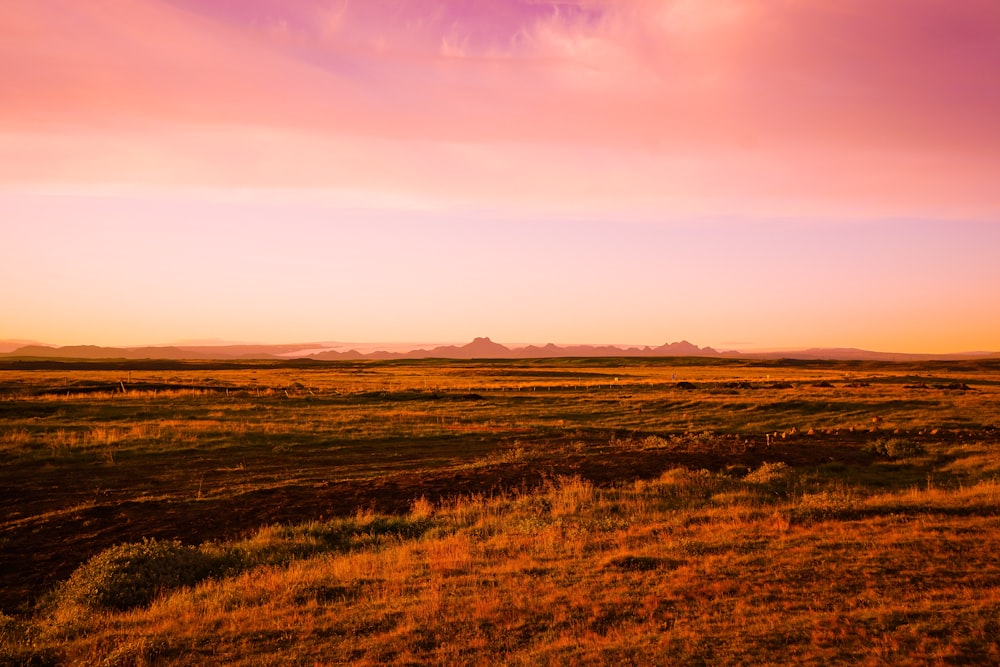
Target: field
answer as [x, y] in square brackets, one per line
[572, 511]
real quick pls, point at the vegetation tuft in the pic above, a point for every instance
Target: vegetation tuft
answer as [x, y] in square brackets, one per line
[132, 575]
[896, 448]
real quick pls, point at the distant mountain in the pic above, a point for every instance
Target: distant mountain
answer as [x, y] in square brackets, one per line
[484, 348]
[479, 348]
[682, 349]
[11, 345]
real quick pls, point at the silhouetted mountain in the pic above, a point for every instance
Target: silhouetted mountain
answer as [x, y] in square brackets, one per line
[484, 348]
[682, 349]
[479, 348]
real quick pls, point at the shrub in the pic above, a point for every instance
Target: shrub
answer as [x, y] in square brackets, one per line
[896, 448]
[825, 505]
[132, 575]
[654, 442]
[768, 473]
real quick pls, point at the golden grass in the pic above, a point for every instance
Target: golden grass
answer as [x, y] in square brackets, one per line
[370, 401]
[653, 572]
[892, 562]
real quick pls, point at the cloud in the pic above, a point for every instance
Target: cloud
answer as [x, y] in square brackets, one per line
[791, 107]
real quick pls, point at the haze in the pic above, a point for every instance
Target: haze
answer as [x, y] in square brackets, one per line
[743, 174]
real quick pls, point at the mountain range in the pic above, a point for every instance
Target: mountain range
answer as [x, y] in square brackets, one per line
[480, 348]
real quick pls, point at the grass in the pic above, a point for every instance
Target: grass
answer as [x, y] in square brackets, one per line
[534, 512]
[685, 568]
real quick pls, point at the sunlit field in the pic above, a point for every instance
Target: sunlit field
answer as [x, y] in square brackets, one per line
[571, 511]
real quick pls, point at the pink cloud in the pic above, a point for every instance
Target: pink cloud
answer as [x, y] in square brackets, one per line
[817, 108]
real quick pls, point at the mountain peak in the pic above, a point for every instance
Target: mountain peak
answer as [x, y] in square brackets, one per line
[483, 344]
[683, 349]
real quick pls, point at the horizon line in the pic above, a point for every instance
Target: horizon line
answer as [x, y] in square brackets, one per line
[404, 347]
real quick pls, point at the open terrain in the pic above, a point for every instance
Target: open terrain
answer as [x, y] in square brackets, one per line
[515, 511]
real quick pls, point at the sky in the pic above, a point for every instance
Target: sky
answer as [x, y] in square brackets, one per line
[745, 174]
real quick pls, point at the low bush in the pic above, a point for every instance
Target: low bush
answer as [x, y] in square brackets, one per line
[768, 473]
[133, 575]
[896, 448]
[127, 576]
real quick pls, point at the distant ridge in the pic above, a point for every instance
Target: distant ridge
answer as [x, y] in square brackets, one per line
[479, 348]
[11, 345]
[484, 348]
[855, 354]
[97, 352]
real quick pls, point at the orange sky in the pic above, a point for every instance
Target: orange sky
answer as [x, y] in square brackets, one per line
[741, 173]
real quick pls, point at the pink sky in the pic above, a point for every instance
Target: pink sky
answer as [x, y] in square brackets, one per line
[741, 173]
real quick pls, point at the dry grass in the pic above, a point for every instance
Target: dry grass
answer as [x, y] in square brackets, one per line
[685, 568]
[882, 560]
